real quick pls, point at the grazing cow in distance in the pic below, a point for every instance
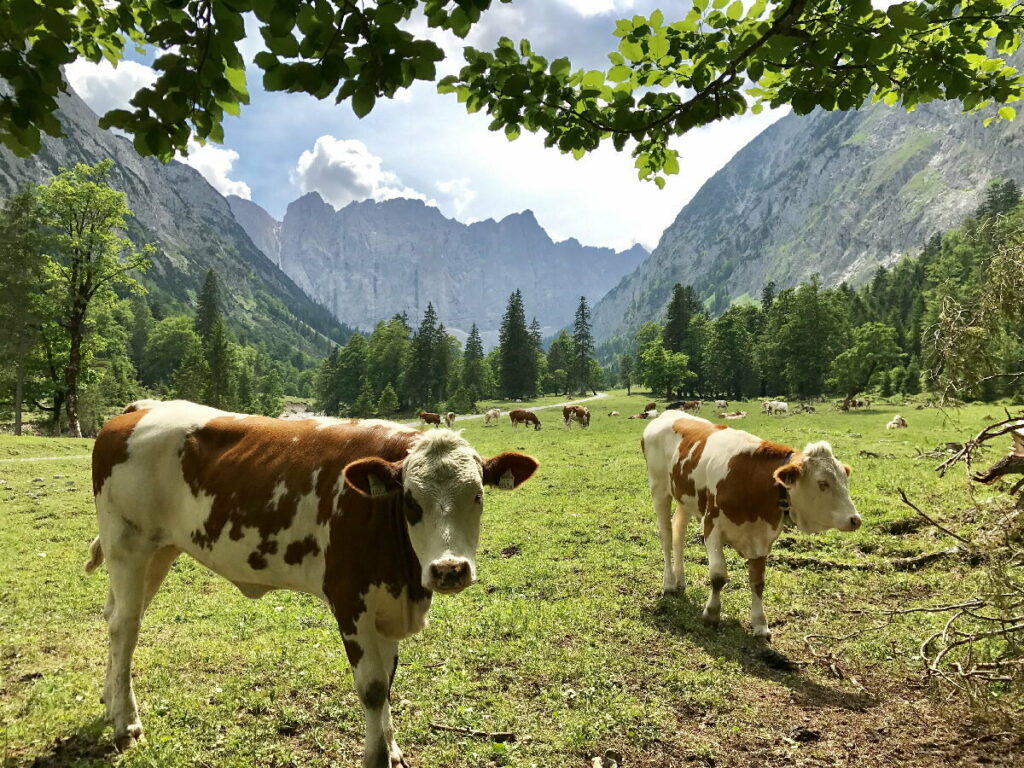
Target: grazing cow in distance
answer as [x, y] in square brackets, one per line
[614, 413]
[721, 403]
[449, 419]
[370, 516]
[773, 407]
[520, 416]
[692, 405]
[743, 488]
[898, 422]
[492, 414]
[805, 408]
[578, 413]
[430, 418]
[733, 415]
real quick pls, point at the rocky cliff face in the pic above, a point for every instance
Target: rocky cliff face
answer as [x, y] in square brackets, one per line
[194, 229]
[838, 193]
[263, 229]
[370, 260]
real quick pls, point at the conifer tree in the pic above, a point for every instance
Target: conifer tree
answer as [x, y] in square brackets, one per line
[220, 357]
[473, 365]
[192, 374]
[582, 347]
[683, 305]
[387, 403]
[209, 306]
[365, 404]
[517, 375]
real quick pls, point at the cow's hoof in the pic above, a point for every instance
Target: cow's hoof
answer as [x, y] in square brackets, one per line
[132, 735]
[763, 633]
[710, 620]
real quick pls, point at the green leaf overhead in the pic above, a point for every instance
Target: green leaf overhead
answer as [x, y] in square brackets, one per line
[666, 76]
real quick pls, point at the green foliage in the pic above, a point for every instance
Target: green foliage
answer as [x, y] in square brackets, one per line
[387, 403]
[209, 306]
[873, 348]
[474, 377]
[665, 78]
[88, 258]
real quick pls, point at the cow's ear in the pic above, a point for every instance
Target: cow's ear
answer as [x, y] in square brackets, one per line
[788, 474]
[847, 469]
[374, 477]
[509, 470]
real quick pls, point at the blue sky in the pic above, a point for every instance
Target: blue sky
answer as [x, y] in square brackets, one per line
[425, 145]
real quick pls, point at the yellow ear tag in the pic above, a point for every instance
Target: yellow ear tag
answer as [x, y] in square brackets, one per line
[507, 481]
[377, 488]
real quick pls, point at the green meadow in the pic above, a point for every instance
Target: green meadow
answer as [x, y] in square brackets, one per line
[566, 641]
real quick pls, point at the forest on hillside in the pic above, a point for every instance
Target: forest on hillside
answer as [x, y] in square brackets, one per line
[944, 321]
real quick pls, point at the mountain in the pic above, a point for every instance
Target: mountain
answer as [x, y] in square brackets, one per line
[837, 193]
[370, 260]
[193, 229]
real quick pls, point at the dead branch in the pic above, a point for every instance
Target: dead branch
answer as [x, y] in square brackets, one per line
[920, 561]
[909, 503]
[495, 736]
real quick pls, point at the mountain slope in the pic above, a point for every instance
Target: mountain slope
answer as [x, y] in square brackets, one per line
[370, 260]
[838, 193]
[193, 228]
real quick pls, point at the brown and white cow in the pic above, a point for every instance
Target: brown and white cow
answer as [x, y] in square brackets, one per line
[692, 405]
[578, 413]
[721, 403]
[492, 414]
[614, 413]
[897, 422]
[370, 516]
[520, 416]
[430, 418]
[449, 419]
[651, 406]
[742, 487]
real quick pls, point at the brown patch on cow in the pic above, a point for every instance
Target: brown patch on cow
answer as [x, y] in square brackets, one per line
[218, 460]
[353, 650]
[257, 561]
[111, 447]
[296, 552]
[651, 406]
[755, 574]
[412, 508]
[748, 492]
[693, 435]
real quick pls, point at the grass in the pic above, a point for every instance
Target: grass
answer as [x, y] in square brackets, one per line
[565, 641]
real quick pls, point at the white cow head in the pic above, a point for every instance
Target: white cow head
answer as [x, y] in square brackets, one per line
[441, 482]
[819, 498]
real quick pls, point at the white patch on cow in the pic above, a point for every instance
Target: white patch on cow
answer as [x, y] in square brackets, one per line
[445, 476]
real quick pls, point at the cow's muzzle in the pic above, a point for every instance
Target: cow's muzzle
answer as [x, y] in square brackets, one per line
[450, 576]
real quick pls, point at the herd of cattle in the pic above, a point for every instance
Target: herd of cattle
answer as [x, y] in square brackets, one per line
[374, 517]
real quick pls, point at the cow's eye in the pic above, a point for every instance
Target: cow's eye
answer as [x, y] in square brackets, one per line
[479, 498]
[823, 485]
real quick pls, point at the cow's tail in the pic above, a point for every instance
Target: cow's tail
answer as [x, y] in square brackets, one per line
[95, 556]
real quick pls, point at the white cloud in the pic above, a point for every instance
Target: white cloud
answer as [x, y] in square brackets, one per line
[460, 193]
[598, 7]
[215, 164]
[344, 170]
[104, 87]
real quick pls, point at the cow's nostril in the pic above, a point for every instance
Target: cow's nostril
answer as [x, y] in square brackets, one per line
[855, 522]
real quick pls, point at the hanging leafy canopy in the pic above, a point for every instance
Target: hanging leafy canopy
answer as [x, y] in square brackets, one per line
[723, 58]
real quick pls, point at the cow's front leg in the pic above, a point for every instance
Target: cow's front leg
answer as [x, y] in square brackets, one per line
[755, 573]
[719, 577]
[374, 660]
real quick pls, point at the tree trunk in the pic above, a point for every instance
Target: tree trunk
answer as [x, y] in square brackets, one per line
[19, 394]
[71, 379]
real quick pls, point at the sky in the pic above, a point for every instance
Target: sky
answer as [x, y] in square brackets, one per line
[425, 145]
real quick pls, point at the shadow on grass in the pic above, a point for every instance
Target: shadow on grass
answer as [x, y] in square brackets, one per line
[90, 745]
[681, 616]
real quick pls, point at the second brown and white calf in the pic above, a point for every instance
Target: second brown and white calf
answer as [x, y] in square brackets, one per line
[742, 487]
